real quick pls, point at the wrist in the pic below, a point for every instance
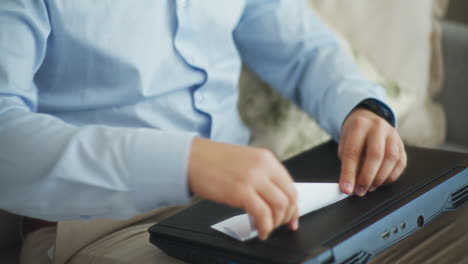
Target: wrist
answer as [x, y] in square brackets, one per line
[378, 109]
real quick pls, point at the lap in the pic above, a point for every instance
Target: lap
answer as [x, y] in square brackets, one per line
[443, 240]
[130, 245]
[38, 245]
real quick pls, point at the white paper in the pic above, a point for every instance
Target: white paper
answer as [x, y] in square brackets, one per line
[311, 197]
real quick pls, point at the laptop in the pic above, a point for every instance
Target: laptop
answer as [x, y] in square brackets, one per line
[353, 230]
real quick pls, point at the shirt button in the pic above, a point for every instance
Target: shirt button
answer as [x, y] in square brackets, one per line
[183, 3]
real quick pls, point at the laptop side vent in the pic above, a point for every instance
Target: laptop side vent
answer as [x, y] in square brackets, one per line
[361, 257]
[458, 198]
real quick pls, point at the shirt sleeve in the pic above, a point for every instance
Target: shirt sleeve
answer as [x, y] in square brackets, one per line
[287, 46]
[56, 171]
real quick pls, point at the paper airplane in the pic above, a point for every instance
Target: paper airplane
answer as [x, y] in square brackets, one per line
[311, 197]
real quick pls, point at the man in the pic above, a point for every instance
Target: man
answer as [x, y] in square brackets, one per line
[116, 108]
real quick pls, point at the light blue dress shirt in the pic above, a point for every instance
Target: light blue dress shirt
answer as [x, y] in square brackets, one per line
[100, 100]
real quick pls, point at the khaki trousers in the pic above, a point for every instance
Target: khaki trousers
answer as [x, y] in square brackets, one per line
[443, 240]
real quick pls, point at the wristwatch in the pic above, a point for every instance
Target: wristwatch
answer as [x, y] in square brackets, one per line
[379, 109]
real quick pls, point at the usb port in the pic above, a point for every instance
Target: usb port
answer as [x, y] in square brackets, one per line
[385, 235]
[403, 225]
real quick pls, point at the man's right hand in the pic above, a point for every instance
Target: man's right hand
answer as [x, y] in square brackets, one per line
[244, 177]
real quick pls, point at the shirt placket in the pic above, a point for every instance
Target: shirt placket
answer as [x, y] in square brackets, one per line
[183, 42]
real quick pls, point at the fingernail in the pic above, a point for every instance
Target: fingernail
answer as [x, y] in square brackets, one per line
[348, 187]
[371, 189]
[295, 225]
[360, 191]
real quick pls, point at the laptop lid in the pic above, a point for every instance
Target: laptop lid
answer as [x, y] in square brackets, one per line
[350, 231]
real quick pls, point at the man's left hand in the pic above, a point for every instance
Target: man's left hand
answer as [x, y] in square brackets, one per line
[371, 151]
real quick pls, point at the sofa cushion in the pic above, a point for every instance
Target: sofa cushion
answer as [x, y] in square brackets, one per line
[402, 40]
[10, 254]
[10, 240]
[9, 229]
[395, 43]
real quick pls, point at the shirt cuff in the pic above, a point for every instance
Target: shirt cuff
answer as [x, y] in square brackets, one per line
[159, 167]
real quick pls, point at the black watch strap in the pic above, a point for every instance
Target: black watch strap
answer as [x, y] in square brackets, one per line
[378, 109]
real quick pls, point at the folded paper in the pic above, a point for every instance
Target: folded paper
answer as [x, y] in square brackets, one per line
[311, 197]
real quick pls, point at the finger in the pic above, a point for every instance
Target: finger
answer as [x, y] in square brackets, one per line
[292, 214]
[294, 223]
[290, 210]
[259, 209]
[392, 154]
[375, 149]
[352, 147]
[276, 200]
[284, 182]
[400, 167]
